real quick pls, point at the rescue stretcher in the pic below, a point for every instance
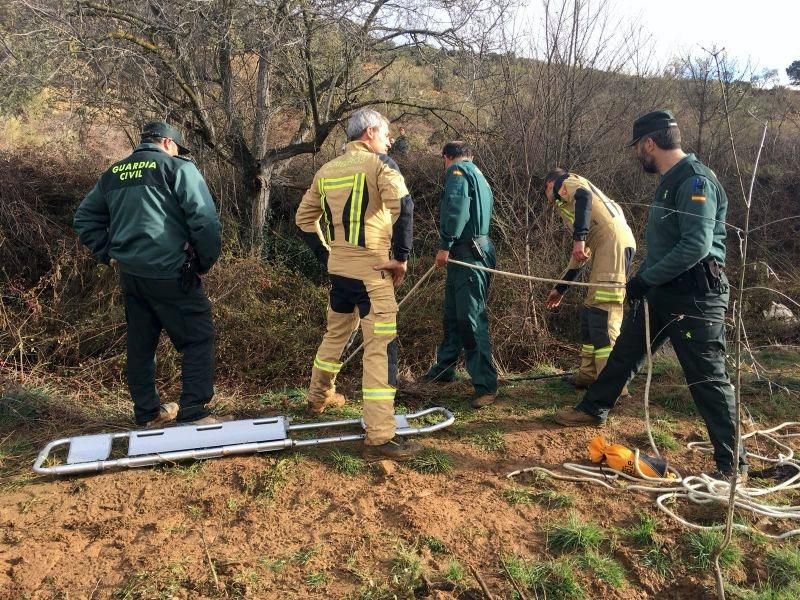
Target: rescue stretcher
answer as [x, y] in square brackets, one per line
[142, 448]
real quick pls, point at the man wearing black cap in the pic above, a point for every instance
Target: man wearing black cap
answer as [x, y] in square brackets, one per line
[465, 214]
[683, 280]
[152, 215]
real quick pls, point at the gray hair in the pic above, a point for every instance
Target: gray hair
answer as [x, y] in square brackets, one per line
[361, 119]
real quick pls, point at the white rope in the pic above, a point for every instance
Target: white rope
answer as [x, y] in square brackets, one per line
[532, 278]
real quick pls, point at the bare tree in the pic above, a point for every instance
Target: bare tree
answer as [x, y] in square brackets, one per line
[257, 82]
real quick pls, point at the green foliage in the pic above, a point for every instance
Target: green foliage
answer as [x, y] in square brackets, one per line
[552, 499]
[604, 568]
[574, 534]
[316, 579]
[346, 463]
[552, 579]
[783, 565]
[489, 441]
[435, 545]
[264, 485]
[660, 560]
[455, 571]
[793, 71]
[518, 495]
[701, 546]
[432, 462]
[406, 567]
[643, 532]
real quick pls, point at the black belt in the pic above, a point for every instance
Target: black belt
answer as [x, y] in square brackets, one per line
[705, 276]
[470, 247]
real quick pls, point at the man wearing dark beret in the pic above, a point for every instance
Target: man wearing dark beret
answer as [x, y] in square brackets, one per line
[686, 288]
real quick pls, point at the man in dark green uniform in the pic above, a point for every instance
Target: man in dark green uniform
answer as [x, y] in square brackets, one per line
[152, 214]
[687, 291]
[464, 216]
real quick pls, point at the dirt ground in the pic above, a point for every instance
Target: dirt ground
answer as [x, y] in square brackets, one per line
[294, 525]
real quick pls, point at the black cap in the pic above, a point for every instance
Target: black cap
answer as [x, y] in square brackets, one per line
[165, 130]
[652, 121]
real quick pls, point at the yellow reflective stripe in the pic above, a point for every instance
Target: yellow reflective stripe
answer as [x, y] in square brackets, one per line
[336, 186]
[610, 295]
[385, 328]
[327, 231]
[587, 348]
[602, 352]
[353, 213]
[324, 365]
[343, 179]
[358, 197]
[379, 393]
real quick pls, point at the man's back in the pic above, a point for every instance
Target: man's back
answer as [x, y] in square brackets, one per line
[144, 209]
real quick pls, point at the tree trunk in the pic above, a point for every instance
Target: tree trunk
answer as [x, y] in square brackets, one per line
[260, 214]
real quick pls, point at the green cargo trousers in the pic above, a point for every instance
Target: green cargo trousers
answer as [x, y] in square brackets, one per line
[155, 304]
[466, 325]
[694, 322]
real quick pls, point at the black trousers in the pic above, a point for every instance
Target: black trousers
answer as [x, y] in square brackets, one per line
[694, 322]
[155, 304]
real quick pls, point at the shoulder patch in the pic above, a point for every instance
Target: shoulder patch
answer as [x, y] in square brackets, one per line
[456, 172]
[698, 190]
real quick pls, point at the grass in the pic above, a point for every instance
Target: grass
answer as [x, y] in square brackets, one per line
[489, 441]
[574, 534]
[660, 560]
[316, 579]
[643, 532]
[455, 572]
[406, 567]
[264, 485]
[432, 462]
[345, 463]
[783, 564]
[604, 568]
[701, 545]
[552, 579]
[548, 498]
[435, 545]
[677, 401]
[518, 495]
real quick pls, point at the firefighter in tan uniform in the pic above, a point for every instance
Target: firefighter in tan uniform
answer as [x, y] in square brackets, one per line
[356, 212]
[600, 233]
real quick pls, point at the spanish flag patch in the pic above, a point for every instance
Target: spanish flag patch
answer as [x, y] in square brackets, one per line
[698, 190]
[457, 172]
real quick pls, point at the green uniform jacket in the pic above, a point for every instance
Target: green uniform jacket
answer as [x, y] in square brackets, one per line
[466, 207]
[686, 222]
[144, 209]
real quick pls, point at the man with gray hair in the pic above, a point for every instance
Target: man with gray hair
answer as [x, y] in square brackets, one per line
[357, 218]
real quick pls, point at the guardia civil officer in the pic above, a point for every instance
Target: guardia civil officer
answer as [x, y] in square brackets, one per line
[357, 217]
[153, 215]
[685, 285]
[600, 237]
[465, 213]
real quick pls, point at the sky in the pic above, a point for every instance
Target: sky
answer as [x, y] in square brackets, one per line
[767, 32]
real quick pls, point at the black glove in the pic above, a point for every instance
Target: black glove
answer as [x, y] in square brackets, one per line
[636, 288]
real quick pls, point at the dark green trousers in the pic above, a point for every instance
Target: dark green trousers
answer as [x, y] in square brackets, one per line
[694, 323]
[155, 304]
[466, 325]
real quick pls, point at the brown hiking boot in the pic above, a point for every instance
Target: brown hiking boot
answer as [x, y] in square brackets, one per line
[576, 382]
[397, 448]
[571, 417]
[482, 400]
[334, 401]
[212, 420]
[166, 414]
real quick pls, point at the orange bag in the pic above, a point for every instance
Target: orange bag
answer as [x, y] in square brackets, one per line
[620, 458]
